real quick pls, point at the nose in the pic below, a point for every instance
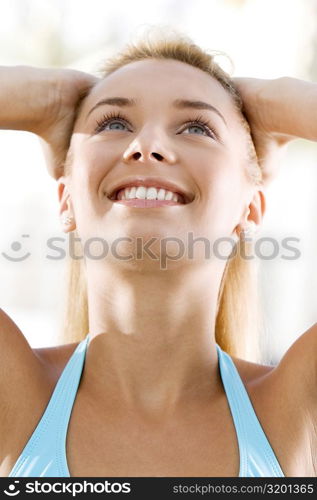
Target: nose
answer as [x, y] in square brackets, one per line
[144, 149]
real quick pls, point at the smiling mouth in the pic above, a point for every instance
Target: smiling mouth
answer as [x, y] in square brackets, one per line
[143, 203]
[147, 197]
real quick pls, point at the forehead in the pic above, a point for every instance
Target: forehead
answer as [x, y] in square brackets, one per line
[161, 81]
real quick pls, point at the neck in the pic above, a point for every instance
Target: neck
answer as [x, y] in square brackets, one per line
[152, 339]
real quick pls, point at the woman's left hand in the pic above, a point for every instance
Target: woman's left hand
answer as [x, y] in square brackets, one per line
[261, 106]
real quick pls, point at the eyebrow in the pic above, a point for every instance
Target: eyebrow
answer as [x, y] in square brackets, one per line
[178, 103]
[185, 103]
[114, 101]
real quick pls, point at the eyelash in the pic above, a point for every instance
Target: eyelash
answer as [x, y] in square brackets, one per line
[106, 118]
[199, 120]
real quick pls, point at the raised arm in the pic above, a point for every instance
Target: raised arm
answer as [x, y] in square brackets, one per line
[285, 107]
[43, 101]
[278, 111]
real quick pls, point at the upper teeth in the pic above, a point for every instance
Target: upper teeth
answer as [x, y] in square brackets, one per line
[147, 193]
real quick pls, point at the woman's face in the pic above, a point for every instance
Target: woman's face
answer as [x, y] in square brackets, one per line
[202, 149]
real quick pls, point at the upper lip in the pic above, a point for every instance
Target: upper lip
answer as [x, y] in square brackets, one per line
[149, 181]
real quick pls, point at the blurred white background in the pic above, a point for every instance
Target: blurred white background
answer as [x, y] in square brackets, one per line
[265, 39]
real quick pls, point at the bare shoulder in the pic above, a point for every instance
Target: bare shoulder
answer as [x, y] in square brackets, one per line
[297, 369]
[54, 359]
[24, 371]
[16, 356]
[27, 376]
[284, 399]
[251, 372]
[19, 370]
[19, 360]
[299, 365]
[297, 374]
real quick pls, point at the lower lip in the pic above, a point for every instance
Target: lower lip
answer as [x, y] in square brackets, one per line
[146, 203]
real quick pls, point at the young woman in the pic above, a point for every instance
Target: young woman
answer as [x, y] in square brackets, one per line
[151, 379]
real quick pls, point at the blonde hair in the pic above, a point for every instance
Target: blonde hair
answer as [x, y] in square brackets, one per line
[237, 320]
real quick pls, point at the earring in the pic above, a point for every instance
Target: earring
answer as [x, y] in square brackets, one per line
[249, 230]
[67, 220]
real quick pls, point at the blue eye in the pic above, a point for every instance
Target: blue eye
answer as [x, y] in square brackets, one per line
[111, 119]
[203, 126]
[116, 124]
[198, 127]
[116, 121]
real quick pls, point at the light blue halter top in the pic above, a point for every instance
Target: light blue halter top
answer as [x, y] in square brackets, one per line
[45, 453]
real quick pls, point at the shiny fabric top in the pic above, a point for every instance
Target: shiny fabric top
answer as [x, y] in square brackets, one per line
[44, 455]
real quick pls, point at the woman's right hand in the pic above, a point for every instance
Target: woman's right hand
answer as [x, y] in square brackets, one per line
[69, 88]
[43, 101]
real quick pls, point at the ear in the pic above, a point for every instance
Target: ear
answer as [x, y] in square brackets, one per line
[257, 208]
[253, 214]
[66, 212]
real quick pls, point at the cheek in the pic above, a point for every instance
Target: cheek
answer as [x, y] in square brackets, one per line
[220, 175]
[89, 168]
[92, 157]
[221, 185]
[92, 162]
